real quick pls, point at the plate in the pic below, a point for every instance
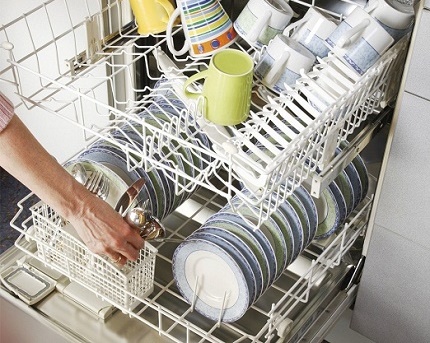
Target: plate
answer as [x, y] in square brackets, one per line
[219, 221]
[158, 179]
[261, 238]
[287, 211]
[311, 210]
[108, 153]
[273, 233]
[219, 292]
[345, 186]
[328, 214]
[117, 186]
[341, 204]
[239, 251]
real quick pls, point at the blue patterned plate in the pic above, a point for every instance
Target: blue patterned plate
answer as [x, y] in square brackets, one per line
[210, 278]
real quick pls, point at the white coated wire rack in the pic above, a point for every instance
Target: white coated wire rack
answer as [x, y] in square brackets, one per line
[166, 311]
[98, 64]
[60, 247]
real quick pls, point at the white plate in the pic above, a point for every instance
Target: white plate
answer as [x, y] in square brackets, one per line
[311, 209]
[273, 233]
[222, 220]
[209, 277]
[117, 186]
[328, 214]
[243, 248]
[345, 186]
[236, 254]
[260, 236]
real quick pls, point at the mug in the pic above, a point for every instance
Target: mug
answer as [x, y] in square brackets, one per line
[227, 87]
[151, 16]
[262, 20]
[359, 41]
[312, 30]
[396, 18]
[282, 62]
[207, 27]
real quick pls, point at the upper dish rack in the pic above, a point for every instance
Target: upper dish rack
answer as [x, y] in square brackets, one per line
[100, 68]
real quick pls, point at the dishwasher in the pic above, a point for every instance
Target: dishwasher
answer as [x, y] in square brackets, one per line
[101, 75]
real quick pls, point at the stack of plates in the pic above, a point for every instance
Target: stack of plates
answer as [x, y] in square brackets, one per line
[341, 197]
[163, 188]
[227, 264]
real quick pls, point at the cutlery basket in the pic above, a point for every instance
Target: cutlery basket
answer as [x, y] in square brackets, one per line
[59, 247]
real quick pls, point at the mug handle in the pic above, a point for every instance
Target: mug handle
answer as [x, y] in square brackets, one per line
[347, 38]
[259, 26]
[198, 76]
[169, 37]
[371, 6]
[275, 72]
[168, 8]
[294, 26]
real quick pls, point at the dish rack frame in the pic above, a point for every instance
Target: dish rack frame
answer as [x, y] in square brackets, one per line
[105, 50]
[167, 312]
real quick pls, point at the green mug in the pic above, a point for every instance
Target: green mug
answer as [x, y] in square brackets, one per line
[227, 87]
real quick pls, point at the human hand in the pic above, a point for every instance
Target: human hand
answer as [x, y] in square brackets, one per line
[105, 232]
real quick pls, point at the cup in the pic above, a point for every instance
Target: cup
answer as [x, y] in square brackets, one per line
[312, 30]
[151, 16]
[207, 27]
[359, 41]
[227, 87]
[282, 62]
[396, 18]
[261, 20]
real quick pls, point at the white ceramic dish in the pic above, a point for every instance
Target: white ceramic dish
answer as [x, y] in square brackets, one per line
[260, 236]
[220, 220]
[209, 277]
[239, 251]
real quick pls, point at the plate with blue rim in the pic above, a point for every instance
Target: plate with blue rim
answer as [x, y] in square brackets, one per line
[311, 210]
[361, 168]
[159, 181]
[119, 158]
[273, 233]
[242, 248]
[170, 158]
[117, 185]
[291, 216]
[219, 220]
[220, 292]
[103, 155]
[329, 216]
[260, 236]
[345, 186]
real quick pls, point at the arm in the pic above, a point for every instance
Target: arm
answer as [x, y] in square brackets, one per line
[101, 228]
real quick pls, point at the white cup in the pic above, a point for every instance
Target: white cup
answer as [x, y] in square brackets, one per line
[396, 18]
[282, 62]
[312, 30]
[359, 41]
[261, 20]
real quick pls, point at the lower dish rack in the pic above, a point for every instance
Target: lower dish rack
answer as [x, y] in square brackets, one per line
[275, 316]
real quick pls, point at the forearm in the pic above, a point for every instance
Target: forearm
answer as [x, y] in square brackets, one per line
[25, 158]
[101, 228]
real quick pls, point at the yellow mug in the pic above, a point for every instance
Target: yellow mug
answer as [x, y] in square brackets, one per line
[151, 16]
[227, 87]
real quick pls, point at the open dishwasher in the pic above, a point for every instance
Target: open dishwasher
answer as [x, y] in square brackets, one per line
[111, 75]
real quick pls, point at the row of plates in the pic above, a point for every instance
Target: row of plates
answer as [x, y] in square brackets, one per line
[163, 188]
[226, 265]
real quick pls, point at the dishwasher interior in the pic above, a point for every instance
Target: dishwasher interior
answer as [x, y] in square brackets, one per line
[114, 74]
